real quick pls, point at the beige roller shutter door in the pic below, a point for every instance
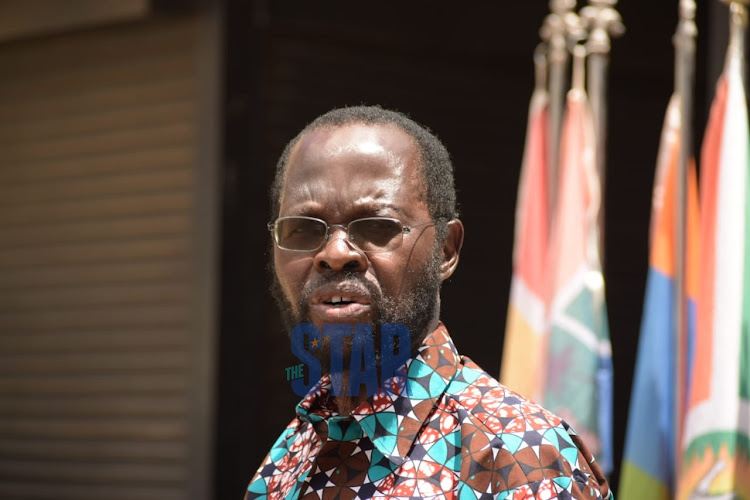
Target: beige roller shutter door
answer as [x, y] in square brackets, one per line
[98, 171]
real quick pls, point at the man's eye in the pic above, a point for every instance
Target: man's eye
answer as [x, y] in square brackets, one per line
[306, 230]
[382, 226]
[380, 229]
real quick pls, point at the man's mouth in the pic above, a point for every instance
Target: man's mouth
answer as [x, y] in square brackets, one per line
[341, 303]
[338, 300]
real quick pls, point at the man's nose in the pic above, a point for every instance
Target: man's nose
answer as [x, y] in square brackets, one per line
[339, 253]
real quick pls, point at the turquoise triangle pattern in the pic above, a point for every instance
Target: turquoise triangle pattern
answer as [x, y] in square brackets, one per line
[466, 492]
[457, 386]
[439, 451]
[387, 444]
[437, 385]
[258, 487]
[418, 369]
[512, 442]
[277, 452]
[388, 420]
[416, 391]
[469, 375]
[570, 454]
[552, 437]
[564, 482]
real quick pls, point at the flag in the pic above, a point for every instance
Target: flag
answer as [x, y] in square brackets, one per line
[648, 469]
[578, 366]
[526, 321]
[716, 457]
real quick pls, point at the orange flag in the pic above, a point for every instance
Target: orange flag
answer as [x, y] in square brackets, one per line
[527, 312]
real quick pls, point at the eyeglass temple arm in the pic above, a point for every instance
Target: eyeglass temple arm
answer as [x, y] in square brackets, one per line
[407, 229]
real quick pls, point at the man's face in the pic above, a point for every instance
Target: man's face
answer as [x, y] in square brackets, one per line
[345, 173]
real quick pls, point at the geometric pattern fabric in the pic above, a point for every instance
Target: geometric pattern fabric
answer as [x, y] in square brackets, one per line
[441, 428]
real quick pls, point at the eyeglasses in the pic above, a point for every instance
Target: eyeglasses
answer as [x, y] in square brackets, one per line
[371, 234]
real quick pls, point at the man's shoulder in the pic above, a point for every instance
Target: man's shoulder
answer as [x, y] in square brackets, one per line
[513, 433]
[481, 395]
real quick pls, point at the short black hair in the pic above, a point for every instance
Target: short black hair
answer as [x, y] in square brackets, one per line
[437, 169]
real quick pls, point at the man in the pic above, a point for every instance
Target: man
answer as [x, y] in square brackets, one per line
[365, 231]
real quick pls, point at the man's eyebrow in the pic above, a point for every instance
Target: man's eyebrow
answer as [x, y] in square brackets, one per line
[378, 208]
[306, 208]
[364, 209]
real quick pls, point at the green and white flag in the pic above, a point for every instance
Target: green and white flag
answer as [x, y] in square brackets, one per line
[716, 453]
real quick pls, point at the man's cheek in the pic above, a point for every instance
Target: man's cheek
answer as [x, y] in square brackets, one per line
[291, 274]
[289, 290]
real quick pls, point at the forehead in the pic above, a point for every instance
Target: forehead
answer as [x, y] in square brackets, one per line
[357, 136]
[352, 163]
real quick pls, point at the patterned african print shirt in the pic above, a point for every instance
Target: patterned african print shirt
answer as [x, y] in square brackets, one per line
[452, 432]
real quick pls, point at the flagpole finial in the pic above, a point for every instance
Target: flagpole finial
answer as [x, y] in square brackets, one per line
[576, 31]
[687, 9]
[738, 11]
[556, 28]
[602, 21]
[687, 31]
[738, 22]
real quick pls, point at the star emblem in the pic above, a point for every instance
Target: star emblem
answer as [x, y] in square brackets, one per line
[314, 344]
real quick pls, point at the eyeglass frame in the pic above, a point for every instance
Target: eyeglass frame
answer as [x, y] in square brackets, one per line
[271, 226]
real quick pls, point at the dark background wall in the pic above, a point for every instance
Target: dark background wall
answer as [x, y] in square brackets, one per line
[467, 73]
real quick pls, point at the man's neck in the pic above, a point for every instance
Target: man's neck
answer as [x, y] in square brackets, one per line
[347, 404]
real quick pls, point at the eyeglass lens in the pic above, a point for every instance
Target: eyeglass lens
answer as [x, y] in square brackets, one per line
[370, 235]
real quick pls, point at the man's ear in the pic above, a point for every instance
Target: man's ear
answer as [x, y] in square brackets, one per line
[451, 248]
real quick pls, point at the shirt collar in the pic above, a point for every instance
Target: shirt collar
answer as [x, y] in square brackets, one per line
[393, 417]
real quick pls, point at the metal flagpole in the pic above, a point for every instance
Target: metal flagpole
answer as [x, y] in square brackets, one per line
[601, 20]
[684, 41]
[738, 21]
[540, 67]
[554, 32]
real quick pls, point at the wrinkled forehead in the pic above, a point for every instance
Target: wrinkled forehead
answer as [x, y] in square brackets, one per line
[369, 150]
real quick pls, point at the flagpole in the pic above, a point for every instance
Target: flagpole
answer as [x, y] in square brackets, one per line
[738, 21]
[554, 33]
[684, 41]
[540, 67]
[602, 21]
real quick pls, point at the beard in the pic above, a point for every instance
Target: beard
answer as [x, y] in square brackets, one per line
[414, 308]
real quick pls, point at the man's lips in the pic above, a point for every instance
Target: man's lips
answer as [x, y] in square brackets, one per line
[340, 302]
[350, 313]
